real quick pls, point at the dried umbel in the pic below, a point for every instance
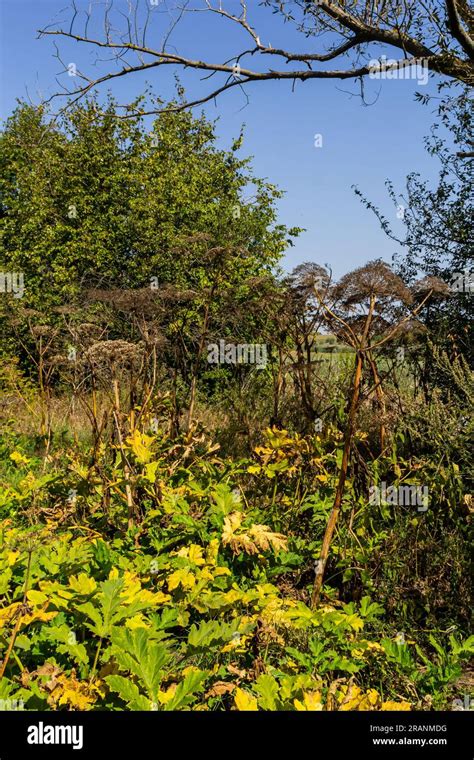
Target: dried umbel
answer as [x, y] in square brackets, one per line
[29, 313]
[307, 285]
[113, 355]
[79, 338]
[142, 300]
[65, 309]
[171, 294]
[41, 331]
[309, 276]
[433, 287]
[145, 301]
[375, 279]
[58, 360]
[86, 331]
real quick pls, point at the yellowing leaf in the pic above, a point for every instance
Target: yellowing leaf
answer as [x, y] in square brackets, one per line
[38, 616]
[76, 699]
[82, 584]
[12, 557]
[137, 621]
[36, 597]
[131, 586]
[237, 541]
[183, 578]
[244, 701]
[160, 598]
[232, 523]
[132, 591]
[7, 613]
[18, 458]
[67, 690]
[150, 471]
[372, 696]
[374, 645]
[258, 537]
[190, 669]
[311, 701]
[386, 706]
[369, 701]
[194, 553]
[221, 571]
[266, 539]
[238, 643]
[166, 696]
[350, 698]
[212, 551]
[254, 469]
[140, 443]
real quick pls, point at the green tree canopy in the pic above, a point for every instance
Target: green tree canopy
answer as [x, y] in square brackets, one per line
[93, 200]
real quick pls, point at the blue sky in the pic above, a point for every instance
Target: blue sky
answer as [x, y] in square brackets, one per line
[360, 145]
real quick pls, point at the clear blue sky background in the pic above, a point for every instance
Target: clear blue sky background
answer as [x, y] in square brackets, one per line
[361, 145]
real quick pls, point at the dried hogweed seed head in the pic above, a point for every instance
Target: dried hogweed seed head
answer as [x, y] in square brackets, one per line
[374, 279]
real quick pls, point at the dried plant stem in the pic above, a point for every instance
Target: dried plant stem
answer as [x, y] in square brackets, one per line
[126, 468]
[380, 399]
[349, 434]
[334, 515]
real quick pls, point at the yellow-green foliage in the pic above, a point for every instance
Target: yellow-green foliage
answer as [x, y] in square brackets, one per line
[192, 607]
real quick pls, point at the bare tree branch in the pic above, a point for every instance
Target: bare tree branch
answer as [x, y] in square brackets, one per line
[414, 29]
